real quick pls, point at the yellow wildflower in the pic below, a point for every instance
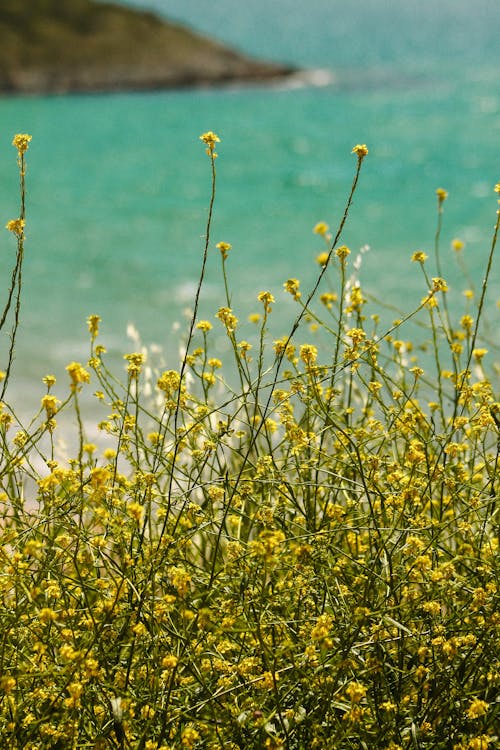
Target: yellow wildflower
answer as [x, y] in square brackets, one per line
[210, 139]
[439, 284]
[21, 141]
[328, 298]
[169, 382]
[93, 324]
[466, 321]
[224, 248]
[321, 228]
[322, 258]
[47, 615]
[204, 325]
[356, 300]
[356, 334]
[225, 315]
[170, 661]
[479, 743]
[7, 683]
[479, 354]
[292, 287]
[308, 354]
[361, 150]
[16, 226]
[477, 709]
[441, 195]
[135, 511]
[189, 737]
[355, 691]
[135, 362]
[244, 347]
[419, 256]
[457, 245]
[266, 298]
[342, 252]
[267, 680]
[50, 404]
[77, 373]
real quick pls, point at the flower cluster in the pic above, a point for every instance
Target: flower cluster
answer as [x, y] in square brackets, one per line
[294, 549]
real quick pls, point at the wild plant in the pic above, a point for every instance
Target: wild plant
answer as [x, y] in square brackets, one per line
[293, 546]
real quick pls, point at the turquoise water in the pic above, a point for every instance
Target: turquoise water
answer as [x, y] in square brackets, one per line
[118, 185]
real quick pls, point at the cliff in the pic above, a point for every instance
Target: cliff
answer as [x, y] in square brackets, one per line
[60, 46]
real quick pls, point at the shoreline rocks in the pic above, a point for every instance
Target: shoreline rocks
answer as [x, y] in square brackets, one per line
[54, 47]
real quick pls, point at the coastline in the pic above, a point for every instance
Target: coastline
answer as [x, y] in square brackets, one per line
[92, 47]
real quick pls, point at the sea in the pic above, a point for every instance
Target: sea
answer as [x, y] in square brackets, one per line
[118, 185]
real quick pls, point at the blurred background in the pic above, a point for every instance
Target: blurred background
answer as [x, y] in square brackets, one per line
[118, 184]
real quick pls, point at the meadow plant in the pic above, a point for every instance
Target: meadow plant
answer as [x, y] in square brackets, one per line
[294, 546]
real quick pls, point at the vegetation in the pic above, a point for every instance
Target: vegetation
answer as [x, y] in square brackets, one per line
[294, 548]
[50, 46]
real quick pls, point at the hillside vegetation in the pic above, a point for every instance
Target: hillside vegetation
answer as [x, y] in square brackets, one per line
[81, 45]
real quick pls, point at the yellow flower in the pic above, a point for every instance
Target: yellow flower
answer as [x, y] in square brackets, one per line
[169, 382]
[466, 321]
[204, 325]
[47, 615]
[479, 353]
[292, 287]
[254, 317]
[308, 354]
[93, 324]
[135, 362]
[16, 226]
[224, 248]
[266, 298]
[210, 139]
[75, 690]
[479, 743]
[189, 737]
[7, 683]
[497, 187]
[356, 300]
[322, 258]
[267, 680]
[328, 298]
[225, 315]
[49, 380]
[355, 691]
[135, 511]
[356, 334]
[321, 228]
[77, 373]
[21, 141]
[439, 284]
[50, 404]
[244, 347]
[342, 252]
[441, 195]
[419, 256]
[361, 150]
[477, 709]
[457, 244]
[169, 661]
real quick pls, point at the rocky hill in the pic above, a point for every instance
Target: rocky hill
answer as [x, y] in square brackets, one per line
[59, 46]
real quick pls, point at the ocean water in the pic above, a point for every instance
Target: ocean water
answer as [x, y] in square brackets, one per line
[118, 185]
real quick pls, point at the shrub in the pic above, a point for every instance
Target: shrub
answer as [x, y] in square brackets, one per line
[296, 547]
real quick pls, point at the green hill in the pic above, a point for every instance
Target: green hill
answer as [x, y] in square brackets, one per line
[54, 46]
